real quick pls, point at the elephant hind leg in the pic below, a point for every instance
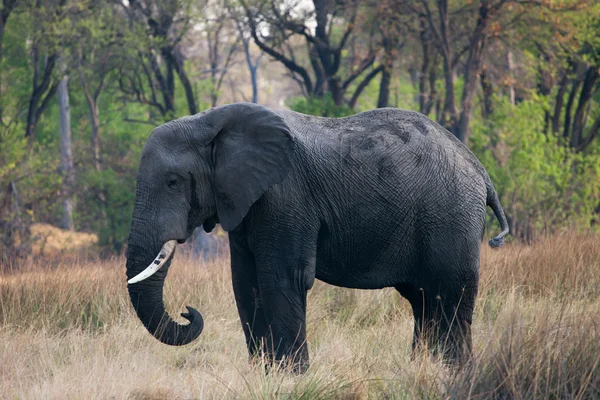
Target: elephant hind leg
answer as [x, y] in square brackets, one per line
[414, 296]
[443, 319]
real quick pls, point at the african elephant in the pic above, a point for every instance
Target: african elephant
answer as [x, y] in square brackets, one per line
[384, 198]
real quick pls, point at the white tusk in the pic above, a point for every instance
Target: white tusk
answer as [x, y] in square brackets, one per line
[162, 257]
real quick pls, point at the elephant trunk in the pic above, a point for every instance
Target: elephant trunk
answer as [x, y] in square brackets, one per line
[147, 296]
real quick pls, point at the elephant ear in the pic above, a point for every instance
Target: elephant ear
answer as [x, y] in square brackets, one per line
[252, 151]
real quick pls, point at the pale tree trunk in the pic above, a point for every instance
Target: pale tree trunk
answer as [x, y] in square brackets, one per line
[511, 86]
[66, 153]
[95, 119]
[91, 98]
[252, 67]
[92, 102]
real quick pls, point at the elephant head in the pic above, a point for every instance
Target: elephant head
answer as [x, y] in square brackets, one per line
[197, 170]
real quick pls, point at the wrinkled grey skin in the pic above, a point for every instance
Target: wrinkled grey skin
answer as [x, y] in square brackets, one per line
[385, 198]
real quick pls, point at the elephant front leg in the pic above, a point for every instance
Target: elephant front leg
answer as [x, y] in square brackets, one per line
[248, 299]
[285, 271]
[285, 314]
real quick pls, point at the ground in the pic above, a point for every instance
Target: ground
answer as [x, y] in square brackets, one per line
[68, 331]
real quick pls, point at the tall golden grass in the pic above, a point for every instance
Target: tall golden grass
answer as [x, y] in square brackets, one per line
[69, 332]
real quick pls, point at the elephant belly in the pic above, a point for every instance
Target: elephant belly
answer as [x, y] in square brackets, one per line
[371, 263]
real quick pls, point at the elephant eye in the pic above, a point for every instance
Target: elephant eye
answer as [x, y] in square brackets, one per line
[172, 183]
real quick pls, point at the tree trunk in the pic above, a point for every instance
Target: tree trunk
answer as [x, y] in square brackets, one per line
[5, 10]
[253, 68]
[384, 88]
[425, 101]
[571, 100]
[362, 85]
[66, 154]
[488, 94]
[449, 117]
[471, 72]
[95, 139]
[179, 65]
[511, 85]
[472, 65]
[383, 99]
[42, 90]
[558, 104]
[579, 119]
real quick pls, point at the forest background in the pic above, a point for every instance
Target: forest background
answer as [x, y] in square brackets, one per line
[84, 82]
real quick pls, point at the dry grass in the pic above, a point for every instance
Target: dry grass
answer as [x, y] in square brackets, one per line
[50, 241]
[69, 332]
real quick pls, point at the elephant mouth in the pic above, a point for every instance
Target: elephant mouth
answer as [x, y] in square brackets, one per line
[165, 253]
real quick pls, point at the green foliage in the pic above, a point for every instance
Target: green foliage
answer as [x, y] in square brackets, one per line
[321, 106]
[543, 184]
[107, 195]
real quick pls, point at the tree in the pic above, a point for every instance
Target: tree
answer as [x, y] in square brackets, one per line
[66, 150]
[44, 56]
[336, 32]
[6, 9]
[222, 41]
[460, 32]
[96, 50]
[391, 23]
[580, 82]
[245, 37]
[154, 55]
[568, 72]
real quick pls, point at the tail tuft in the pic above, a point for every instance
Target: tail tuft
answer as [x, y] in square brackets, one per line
[496, 242]
[494, 203]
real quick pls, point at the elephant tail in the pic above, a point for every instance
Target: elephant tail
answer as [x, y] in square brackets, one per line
[494, 203]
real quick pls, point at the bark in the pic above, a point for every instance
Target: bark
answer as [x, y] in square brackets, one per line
[425, 100]
[43, 89]
[324, 56]
[593, 133]
[488, 94]
[558, 104]
[152, 80]
[449, 112]
[362, 85]
[439, 25]
[92, 102]
[386, 72]
[511, 86]
[5, 11]
[252, 65]
[571, 100]
[472, 66]
[219, 64]
[66, 154]
[449, 117]
[290, 64]
[579, 119]
[581, 81]
[545, 84]
[253, 68]
[185, 81]
[95, 139]
[433, 94]
[384, 88]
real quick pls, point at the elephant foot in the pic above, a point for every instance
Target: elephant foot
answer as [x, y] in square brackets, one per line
[269, 365]
[295, 362]
[453, 344]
